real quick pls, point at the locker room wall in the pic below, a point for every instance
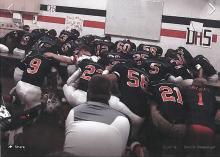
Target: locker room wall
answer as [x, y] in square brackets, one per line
[173, 32]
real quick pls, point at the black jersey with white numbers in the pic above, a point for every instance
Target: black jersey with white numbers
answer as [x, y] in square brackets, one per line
[157, 69]
[101, 46]
[124, 46]
[153, 50]
[89, 69]
[132, 84]
[36, 68]
[200, 106]
[179, 66]
[169, 99]
[186, 55]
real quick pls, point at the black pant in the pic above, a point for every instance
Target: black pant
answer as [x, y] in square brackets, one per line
[20, 119]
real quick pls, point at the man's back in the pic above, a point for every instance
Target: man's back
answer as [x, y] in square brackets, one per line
[95, 129]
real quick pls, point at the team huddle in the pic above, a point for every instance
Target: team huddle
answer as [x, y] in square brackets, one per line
[164, 95]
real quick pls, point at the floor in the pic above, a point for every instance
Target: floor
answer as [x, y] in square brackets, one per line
[43, 137]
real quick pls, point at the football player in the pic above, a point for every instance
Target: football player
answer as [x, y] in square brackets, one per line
[38, 33]
[87, 69]
[168, 119]
[186, 55]
[25, 44]
[153, 50]
[68, 35]
[209, 72]
[124, 47]
[35, 68]
[178, 61]
[157, 68]
[11, 40]
[132, 84]
[47, 43]
[111, 58]
[101, 46]
[200, 116]
[66, 45]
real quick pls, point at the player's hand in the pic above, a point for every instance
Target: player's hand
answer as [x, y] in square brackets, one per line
[139, 150]
[178, 130]
[109, 67]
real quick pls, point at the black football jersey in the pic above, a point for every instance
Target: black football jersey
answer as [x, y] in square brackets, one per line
[89, 40]
[112, 58]
[169, 98]
[186, 55]
[153, 50]
[26, 42]
[177, 61]
[124, 46]
[46, 43]
[157, 69]
[15, 35]
[68, 48]
[64, 36]
[208, 68]
[38, 33]
[107, 58]
[36, 68]
[102, 46]
[138, 57]
[200, 106]
[89, 69]
[12, 39]
[132, 84]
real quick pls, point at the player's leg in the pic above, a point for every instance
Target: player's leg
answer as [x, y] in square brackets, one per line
[28, 94]
[4, 48]
[18, 73]
[19, 52]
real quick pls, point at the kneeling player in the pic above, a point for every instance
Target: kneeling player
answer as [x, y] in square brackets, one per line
[167, 114]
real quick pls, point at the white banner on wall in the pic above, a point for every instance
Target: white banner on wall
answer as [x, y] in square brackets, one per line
[74, 22]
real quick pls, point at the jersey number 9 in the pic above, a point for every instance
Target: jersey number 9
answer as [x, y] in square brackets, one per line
[34, 66]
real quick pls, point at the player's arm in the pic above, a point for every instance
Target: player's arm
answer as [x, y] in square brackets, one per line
[174, 130]
[62, 58]
[72, 79]
[113, 72]
[107, 70]
[158, 120]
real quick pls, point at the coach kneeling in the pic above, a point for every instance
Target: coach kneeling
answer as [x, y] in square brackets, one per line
[94, 128]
